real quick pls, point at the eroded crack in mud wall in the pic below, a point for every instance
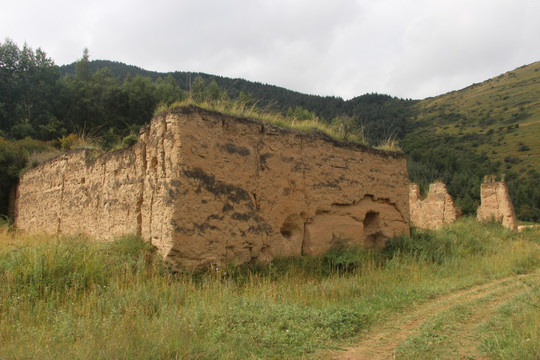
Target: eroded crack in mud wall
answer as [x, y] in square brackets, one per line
[208, 188]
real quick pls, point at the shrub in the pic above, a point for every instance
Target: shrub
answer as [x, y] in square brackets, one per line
[512, 159]
[465, 237]
[69, 142]
[129, 140]
[341, 259]
[14, 159]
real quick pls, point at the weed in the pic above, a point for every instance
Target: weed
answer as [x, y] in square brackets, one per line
[389, 144]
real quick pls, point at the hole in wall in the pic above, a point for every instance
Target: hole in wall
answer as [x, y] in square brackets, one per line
[371, 220]
[372, 230]
[286, 232]
[293, 228]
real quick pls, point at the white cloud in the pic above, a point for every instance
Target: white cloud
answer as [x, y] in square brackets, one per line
[414, 48]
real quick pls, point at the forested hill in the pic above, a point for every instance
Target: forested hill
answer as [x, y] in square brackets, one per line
[279, 99]
[376, 111]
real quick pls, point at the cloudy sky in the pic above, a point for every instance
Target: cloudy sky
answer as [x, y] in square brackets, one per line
[406, 48]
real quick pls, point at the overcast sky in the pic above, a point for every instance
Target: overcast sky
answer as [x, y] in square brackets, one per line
[405, 48]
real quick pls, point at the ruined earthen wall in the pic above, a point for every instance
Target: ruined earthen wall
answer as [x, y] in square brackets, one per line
[281, 193]
[436, 210]
[209, 188]
[496, 205]
[81, 193]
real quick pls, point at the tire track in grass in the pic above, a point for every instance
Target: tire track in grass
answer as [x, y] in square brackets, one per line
[381, 341]
[452, 334]
[468, 338]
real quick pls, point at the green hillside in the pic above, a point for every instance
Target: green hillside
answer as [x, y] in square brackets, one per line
[500, 117]
[268, 96]
[487, 128]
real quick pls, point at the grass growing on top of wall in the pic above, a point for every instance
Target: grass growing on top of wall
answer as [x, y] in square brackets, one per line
[72, 298]
[243, 109]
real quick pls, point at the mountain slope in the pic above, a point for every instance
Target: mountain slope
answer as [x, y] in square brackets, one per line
[487, 128]
[380, 116]
[500, 116]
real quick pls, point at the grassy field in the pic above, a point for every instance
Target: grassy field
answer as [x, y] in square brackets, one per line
[70, 298]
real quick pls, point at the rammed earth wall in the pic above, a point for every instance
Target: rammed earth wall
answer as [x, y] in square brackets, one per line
[206, 188]
[436, 210]
[496, 204]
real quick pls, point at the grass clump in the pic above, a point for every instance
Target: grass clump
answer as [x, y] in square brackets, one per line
[389, 144]
[68, 297]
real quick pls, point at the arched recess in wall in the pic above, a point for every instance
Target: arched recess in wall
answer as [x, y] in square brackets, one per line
[372, 230]
[293, 228]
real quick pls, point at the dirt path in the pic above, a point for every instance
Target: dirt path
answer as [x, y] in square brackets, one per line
[381, 342]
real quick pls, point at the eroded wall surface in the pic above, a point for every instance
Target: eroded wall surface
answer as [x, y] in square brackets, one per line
[207, 188]
[82, 193]
[436, 210]
[496, 205]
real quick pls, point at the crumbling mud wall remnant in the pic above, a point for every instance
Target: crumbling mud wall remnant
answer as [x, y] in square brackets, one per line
[436, 210]
[496, 204]
[207, 188]
[82, 193]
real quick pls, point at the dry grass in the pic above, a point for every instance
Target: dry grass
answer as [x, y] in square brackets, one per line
[389, 144]
[73, 298]
[241, 109]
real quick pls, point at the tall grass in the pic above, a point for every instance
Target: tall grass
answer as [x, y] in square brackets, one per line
[243, 109]
[389, 144]
[73, 298]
